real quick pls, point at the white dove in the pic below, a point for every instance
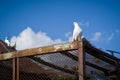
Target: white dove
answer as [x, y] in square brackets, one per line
[77, 32]
[7, 41]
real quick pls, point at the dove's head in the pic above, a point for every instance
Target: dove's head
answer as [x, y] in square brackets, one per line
[75, 23]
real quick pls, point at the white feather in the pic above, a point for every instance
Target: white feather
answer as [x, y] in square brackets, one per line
[7, 41]
[77, 32]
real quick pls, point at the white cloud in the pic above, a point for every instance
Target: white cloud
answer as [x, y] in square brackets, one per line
[96, 36]
[86, 23]
[70, 38]
[111, 36]
[29, 39]
[117, 30]
[67, 34]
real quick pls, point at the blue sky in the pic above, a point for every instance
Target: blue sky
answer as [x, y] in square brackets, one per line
[99, 19]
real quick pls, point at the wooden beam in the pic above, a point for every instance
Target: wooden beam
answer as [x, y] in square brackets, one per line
[69, 55]
[94, 53]
[39, 51]
[88, 45]
[96, 67]
[51, 65]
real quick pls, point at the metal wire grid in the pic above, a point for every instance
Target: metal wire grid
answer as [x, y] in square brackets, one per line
[54, 66]
[6, 70]
[61, 68]
[99, 62]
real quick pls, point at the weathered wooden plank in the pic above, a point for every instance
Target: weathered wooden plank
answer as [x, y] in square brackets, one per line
[96, 67]
[70, 55]
[39, 60]
[88, 45]
[40, 50]
[95, 53]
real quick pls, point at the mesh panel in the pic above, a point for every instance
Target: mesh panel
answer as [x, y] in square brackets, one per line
[6, 70]
[99, 63]
[54, 66]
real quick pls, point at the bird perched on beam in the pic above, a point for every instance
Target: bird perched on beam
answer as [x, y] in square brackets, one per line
[7, 41]
[77, 32]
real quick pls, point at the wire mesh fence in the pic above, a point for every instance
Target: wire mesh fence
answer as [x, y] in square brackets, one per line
[56, 66]
[6, 70]
[51, 66]
[56, 62]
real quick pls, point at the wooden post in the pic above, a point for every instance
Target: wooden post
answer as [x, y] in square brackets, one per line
[118, 70]
[81, 61]
[15, 68]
